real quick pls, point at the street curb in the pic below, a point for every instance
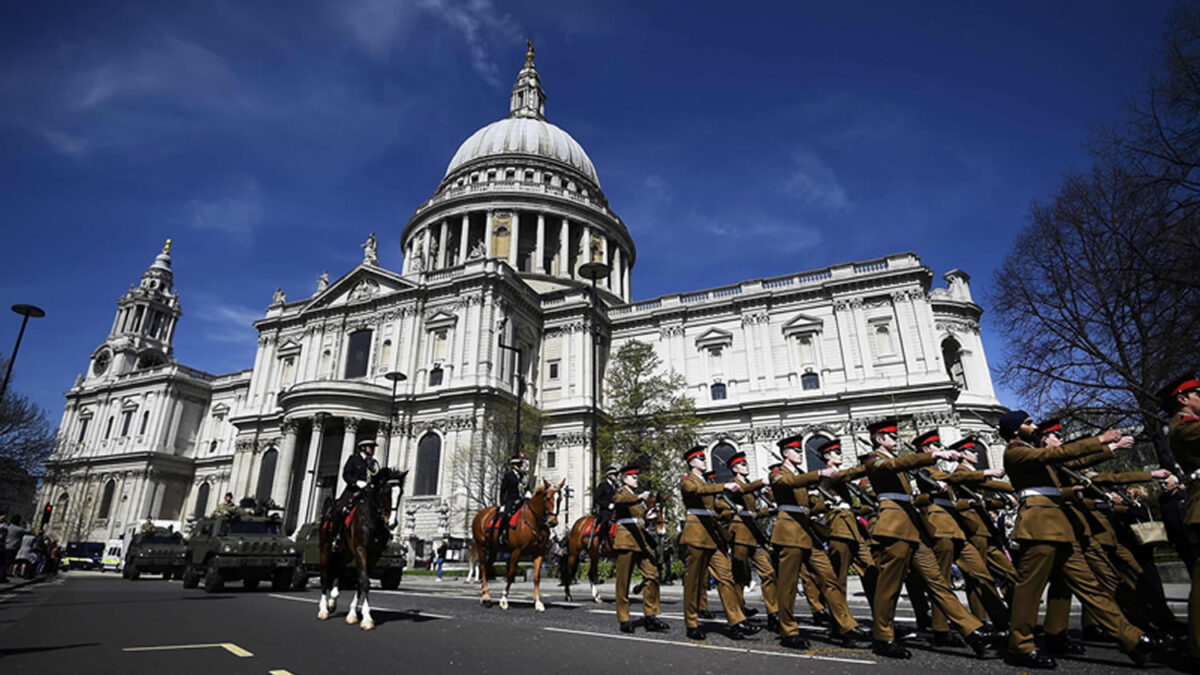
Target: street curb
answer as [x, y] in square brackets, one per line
[12, 586]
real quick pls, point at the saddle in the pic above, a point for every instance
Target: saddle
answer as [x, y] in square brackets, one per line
[592, 529]
[512, 520]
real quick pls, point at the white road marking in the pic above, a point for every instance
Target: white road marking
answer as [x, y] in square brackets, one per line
[696, 645]
[227, 646]
[475, 598]
[414, 612]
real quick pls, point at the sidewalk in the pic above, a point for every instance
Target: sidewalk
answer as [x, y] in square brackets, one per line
[14, 583]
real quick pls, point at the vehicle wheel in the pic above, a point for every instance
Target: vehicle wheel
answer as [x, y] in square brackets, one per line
[213, 583]
[125, 573]
[250, 584]
[191, 579]
[299, 581]
[177, 575]
[281, 580]
[391, 580]
[134, 572]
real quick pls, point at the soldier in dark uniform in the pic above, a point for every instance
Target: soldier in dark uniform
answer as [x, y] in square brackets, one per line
[704, 538]
[358, 470]
[1181, 400]
[903, 542]
[634, 550]
[602, 504]
[1048, 543]
[512, 494]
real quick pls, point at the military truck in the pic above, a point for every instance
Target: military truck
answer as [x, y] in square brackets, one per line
[240, 545]
[389, 569]
[155, 551]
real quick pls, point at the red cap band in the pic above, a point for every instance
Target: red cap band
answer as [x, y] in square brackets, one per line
[693, 453]
[1190, 384]
[737, 460]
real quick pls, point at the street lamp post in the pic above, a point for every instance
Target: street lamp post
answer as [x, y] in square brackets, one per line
[520, 393]
[396, 377]
[25, 311]
[594, 271]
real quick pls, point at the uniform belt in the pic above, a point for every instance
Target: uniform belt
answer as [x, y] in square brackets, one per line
[746, 514]
[701, 512]
[630, 521]
[843, 506]
[1195, 475]
[944, 502]
[1039, 491]
[895, 496]
[794, 508]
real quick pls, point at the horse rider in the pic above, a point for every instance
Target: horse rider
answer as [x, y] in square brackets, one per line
[357, 471]
[633, 549]
[512, 493]
[602, 504]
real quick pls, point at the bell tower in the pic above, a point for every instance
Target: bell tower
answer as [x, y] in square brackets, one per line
[144, 326]
[528, 98]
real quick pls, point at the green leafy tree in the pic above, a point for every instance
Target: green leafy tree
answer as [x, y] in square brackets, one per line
[651, 420]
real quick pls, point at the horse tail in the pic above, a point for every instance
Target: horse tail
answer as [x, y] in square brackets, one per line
[574, 547]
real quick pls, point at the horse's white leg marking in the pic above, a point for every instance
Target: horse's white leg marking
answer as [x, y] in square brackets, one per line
[352, 617]
[504, 599]
[367, 622]
[322, 612]
[595, 592]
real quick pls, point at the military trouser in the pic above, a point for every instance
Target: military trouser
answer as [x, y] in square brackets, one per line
[975, 573]
[701, 561]
[1194, 606]
[843, 554]
[791, 560]
[1038, 562]
[1140, 594]
[745, 556]
[812, 590]
[894, 558]
[626, 561]
[1058, 596]
[1003, 573]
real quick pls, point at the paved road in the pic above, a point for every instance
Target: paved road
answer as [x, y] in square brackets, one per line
[93, 623]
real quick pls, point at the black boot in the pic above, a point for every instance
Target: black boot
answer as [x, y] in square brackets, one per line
[773, 622]
[947, 639]
[851, 638]
[749, 611]
[981, 645]
[1142, 652]
[626, 626]
[742, 630]
[822, 618]
[902, 632]
[1095, 633]
[654, 624]
[793, 642]
[1062, 645]
[695, 634]
[891, 650]
[1035, 660]
[706, 615]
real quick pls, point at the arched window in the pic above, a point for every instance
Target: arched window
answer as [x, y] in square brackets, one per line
[720, 461]
[106, 501]
[883, 340]
[952, 356]
[429, 460]
[212, 447]
[358, 353]
[266, 474]
[810, 381]
[202, 500]
[717, 391]
[60, 509]
[811, 456]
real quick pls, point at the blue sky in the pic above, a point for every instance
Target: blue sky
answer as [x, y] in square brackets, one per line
[736, 140]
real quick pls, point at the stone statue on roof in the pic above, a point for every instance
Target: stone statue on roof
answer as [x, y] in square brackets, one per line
[371, 251]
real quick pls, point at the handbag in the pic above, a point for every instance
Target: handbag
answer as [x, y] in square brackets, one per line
[1149, 533]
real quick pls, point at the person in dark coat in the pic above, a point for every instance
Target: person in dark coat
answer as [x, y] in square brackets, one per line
[1172, 504]
[602, 503]
[512, 494]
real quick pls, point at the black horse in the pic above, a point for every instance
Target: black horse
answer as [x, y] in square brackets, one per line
[360, 541]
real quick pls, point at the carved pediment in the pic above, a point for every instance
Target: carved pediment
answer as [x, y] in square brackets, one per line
[289, 348]
[440, 319]
[714, 338]
[803, 323]
[361, 284]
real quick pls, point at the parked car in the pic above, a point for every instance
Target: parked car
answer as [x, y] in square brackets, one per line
[246, 546]
[389, 569]
[83, 555]
[157, 551]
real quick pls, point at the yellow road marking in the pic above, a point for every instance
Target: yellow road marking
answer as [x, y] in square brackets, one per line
[279, 672]
[227, 646]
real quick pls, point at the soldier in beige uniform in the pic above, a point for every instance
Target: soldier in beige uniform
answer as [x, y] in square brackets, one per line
[1048, 544]
[980, 532]
[793, 542]
[705, 538]
[750, 542]
[847, 541]
[902, 542]
[633, 549]
[1181, 400]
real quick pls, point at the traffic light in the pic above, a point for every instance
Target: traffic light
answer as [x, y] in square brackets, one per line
[46, 514]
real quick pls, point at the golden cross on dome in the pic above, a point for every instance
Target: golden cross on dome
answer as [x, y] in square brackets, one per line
[529, 54]
[167, 247]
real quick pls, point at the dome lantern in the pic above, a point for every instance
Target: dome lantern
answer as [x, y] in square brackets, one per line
[528, 98]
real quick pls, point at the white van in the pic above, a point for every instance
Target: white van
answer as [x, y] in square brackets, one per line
[114, 555]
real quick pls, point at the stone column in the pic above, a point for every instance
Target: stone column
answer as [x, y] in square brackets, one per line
[465, 240]
[564, 251]
[585, 249]
[487, 234]
[381, 440]
[514, 244]
[307, 491]
[441, 260]
[281, 486]
[614, 275]
[426, 237]
[348, 436]
[539, 251]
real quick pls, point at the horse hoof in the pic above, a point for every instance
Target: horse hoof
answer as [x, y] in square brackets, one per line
[596, 599]
[352, 619]
[486, 603]
[504, 603]
[322, 616]
[367, 625]
[331, 606]
[539, 606]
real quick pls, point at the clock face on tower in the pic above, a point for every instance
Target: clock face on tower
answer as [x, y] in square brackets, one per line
[100, 364]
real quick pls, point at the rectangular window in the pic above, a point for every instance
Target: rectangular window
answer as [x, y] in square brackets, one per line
[554, 370]
[439, 345]
[145, 423]
[83, 425]
[126, 422]
[358, 353]
[551, 459]
[108, 428]
[805, 349]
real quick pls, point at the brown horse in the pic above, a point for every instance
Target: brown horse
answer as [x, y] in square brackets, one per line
[365, 537]
[531, 536]
[598, 545]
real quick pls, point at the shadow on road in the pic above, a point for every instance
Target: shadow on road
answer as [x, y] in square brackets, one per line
[13, 651]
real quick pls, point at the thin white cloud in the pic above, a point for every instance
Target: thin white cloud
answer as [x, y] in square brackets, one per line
[229, 323]
[813, 182]
[760, 231]
[657, 189]
[65, 143]
[237, 214]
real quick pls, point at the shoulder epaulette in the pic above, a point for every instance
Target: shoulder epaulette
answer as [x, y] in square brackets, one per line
[777, 470]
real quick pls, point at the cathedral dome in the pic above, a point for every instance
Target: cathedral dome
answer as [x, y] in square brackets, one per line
[524, 136]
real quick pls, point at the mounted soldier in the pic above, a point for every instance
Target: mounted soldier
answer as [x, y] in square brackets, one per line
[602, 503]
[512, 493]
[357, 473]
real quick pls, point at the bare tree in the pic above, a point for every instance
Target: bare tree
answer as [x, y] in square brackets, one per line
[478, 471]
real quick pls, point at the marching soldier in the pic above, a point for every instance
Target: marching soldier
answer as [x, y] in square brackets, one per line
[902, 542]
[633, 549]
[848, 545]
[950, 545]
[704, 537]
[1048, 543]
[1181, 400]
[793, 542]
[602, 504]
[979, 526]
[750, 542]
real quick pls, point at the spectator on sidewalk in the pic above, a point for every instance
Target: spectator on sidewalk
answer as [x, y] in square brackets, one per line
[441, 557]
[12, 541]
[1172, 504]
[3, 549]
[25, 556]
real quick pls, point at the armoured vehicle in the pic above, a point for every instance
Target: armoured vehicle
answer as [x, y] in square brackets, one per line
[389, 569]
[155, 551]
[242, 545]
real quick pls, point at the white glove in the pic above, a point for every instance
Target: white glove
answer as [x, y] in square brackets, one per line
[361, 484]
